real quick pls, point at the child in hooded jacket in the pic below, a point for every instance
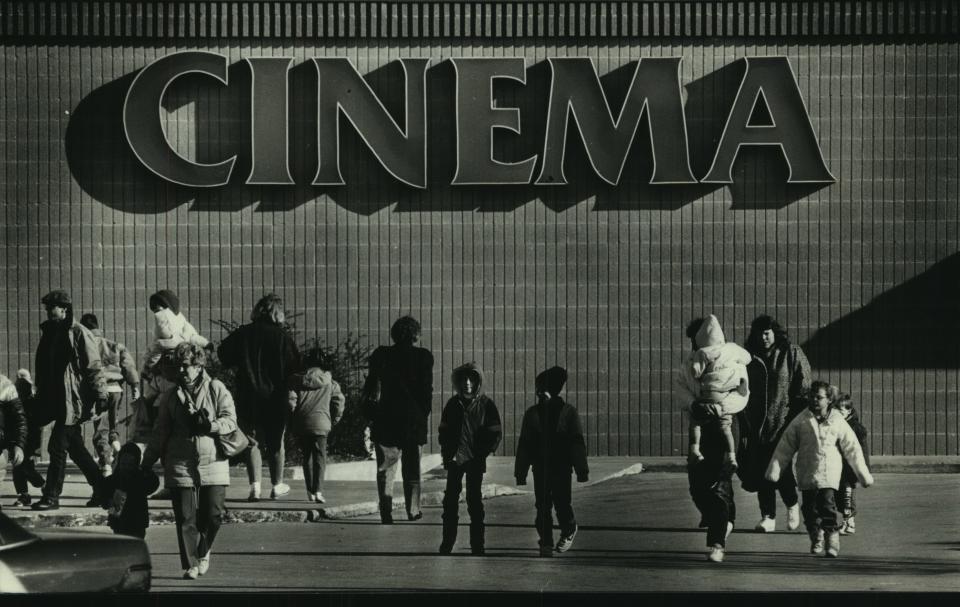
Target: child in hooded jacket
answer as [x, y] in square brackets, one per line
[821, 439]
[846, 499]
[470, 430]
[714, 376]
[124, 493]
[26, 472]
[552, 443]
[316, 404]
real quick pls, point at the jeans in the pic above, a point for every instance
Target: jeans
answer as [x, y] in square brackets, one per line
[68, 440]
[314, 453]
[473, 470]
[820, 510]
[787, 486]
[409, 459]
[23, 474]
[198, 514]
[270, 433]
[712, 491]
[105, 430]
[552, 490]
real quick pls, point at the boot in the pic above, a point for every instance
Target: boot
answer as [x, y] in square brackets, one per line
[386, 510]
[449, 536]
[476, 539]
[833, 544]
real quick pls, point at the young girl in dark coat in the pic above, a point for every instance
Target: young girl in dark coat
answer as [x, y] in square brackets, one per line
[124, 493]
[469, 431]
[846, 500]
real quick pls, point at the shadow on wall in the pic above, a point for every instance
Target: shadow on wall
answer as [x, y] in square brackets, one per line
[104, 166]
[914, 325]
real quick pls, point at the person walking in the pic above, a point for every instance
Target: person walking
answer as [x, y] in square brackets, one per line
[265, 357]
[779, 376]
[189, 419]
[400, 384]
[13, 426]
[316, 404]
[70, 382]
[26, 472]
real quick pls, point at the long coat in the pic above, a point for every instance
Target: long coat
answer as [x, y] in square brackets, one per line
[403, 378]
[192, 461]
[69, 373]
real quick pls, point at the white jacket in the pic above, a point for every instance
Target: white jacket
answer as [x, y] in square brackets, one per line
[717, 366]
[170, 331]
[818, 446]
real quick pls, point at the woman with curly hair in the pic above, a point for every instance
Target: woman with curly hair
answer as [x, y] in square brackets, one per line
[401, 384]
[779, 376]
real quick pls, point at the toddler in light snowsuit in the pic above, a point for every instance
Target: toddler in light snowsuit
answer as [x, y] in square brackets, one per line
[821, 440]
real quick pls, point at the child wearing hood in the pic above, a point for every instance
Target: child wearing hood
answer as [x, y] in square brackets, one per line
[846, 501]
[715, 377]
[316, 402]
[124, 493]
[552, 443]
[821, 440]
[27, 471]
[470, 430]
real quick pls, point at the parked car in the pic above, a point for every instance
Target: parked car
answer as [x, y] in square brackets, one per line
[71, 560]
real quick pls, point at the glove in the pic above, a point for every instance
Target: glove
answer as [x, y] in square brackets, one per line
[201, 424]
[16, 456]
[521, 480]
[584, 477]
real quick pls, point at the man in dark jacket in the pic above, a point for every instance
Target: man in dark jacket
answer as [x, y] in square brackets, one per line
[469, 431]
[13, 426]
[401, 384]
[69, 384]
[552, 442]
[265, 356]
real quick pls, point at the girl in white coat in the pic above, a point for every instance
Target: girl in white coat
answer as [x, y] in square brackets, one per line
[821, 439]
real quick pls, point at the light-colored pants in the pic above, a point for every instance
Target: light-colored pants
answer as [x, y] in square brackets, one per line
[409, 459]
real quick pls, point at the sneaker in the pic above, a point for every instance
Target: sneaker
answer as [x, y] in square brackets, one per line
[23, 499]
[254, 495]
[446, 547]
[793, 517]
[816, 542]
[849, 527]
[318, 497]
[311, 497]
[191, 573]
[716, 554]
[204, 564]
[767, 524]
[47, 503]
[546, 551]
[565, 541]
[279, 490]
[415, 517]
[833, 544]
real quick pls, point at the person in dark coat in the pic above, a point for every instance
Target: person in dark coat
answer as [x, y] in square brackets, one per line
[70, 383]
[124, 493]
[470, 430]
[846, 494]
[265, 357]
[13, 426]
[552, 443]
[26, 472]
[779, 377]
[400, 384]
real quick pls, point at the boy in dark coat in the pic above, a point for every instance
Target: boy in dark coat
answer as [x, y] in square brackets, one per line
[13, 426]
[124, 493]
[469, 431]
[846, 500]
[26, 472]
[552, 442]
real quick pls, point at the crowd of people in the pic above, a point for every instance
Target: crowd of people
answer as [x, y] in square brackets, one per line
[752, 411]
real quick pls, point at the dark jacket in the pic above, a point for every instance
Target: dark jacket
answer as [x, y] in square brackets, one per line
[124, 495]
[265, 357]
[551, 438]
[470, 429]
[13, 420]
[69, 373]
[316, 401]
[848, 475]
[402, 376]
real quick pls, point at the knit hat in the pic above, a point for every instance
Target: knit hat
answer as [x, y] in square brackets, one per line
[552, 380]
[57, 298]
[710, 333]
[166, 299]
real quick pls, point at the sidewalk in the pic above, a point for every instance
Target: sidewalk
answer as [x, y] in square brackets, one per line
[350, 490]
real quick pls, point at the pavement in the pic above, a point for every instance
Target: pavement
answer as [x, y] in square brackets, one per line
[350, 490]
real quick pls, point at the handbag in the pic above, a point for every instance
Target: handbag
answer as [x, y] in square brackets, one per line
[232, 444]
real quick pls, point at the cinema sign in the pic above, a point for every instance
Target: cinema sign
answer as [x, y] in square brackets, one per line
[576, 101]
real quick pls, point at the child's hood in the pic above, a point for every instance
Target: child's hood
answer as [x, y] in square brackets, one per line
[710, 333]
[166, 324]
[315, 378]
[473, 370]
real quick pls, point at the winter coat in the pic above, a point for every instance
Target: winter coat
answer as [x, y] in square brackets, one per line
[717, 370]
[849, 476]
[470, 429]
[192, 461]
[69, 372]
[13, 419]
[170, 330]
[265, 357]
[402, 376]
[316, 402]
[118, 364]
[818, 447]
[551, 438]
[126, 493]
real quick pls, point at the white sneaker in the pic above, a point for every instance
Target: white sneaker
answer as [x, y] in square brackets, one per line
[793, 517]
[204, 564]
[766, 525]
[715, 555]
[565, 541]
[318, 497]
[254, 495]
[279, 490]
[311, 497]
[816, 542]
[849, 527]
[191, 573]
[833, 544]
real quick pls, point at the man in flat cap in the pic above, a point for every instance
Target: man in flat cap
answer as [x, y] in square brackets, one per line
[69, 382]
